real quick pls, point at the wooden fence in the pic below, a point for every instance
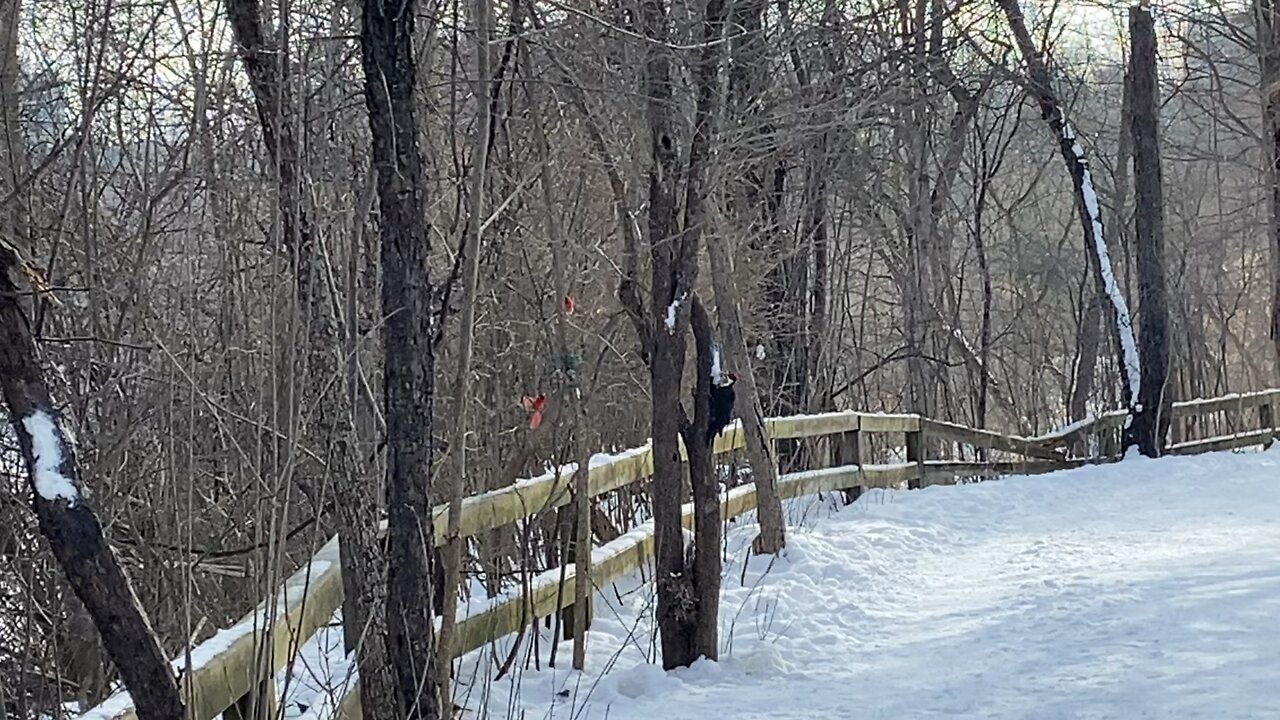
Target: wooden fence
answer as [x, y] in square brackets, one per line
[233, 672]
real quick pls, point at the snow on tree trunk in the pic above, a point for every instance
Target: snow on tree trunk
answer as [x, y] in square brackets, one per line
[66, 519]
[688, 586]
[1077, 163]
[1093, 216]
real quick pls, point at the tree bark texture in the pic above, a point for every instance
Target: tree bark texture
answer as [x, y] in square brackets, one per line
[1087, 341]
[1151, 421]
[66, 519]
[390, 79]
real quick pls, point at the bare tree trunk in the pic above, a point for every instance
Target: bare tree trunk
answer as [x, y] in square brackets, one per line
[746, 78]
[820, 242]
[707, 523]
[363, 566]
[668, 313]
[267, 68]
[913, 139]
[1268, 19]
[764, 467]
[71, 527]
[982, 184]
[687, 605]
[12, 144]
[408, 375]
[1087, 342]
[452, 552]
[66, 519]
[1121, 181]
[1151, 422]
[1089, 339]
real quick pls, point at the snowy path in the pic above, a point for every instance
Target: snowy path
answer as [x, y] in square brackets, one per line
[1148, 589]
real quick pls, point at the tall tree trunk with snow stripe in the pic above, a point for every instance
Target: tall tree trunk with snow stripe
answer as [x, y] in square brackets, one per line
[1086, 199]
[66, 519]
[1151, 421]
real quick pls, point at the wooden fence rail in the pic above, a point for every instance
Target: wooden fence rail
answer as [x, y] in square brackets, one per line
[233, 671]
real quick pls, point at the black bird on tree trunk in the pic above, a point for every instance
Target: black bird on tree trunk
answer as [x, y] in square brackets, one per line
[721, 406]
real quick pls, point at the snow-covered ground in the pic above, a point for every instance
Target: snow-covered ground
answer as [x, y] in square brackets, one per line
[1144, 589]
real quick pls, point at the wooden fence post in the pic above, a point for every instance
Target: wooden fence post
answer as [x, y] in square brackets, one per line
[1177, 431]
[915, 454]
[260, 704]
[582, 567]
[848, 451]
[1266, 421]
[567, 532]
[577, 615]
[1110, 438]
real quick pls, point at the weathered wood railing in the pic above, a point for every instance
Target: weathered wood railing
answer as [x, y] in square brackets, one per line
[232, 672]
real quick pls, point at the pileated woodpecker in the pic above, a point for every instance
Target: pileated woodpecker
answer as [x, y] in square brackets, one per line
[721, 407]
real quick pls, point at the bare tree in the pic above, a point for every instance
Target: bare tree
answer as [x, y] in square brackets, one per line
[1151, 422]
[409, 357]
[1268, 48]
[12, 144]
[216, 247]
[688, 588]
[746, 78]
[313, 371]
[66, 518]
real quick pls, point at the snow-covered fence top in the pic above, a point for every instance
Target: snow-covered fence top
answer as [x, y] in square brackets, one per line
[232, 671]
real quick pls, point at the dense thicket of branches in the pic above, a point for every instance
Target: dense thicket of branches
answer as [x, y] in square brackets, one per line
[903, 236]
